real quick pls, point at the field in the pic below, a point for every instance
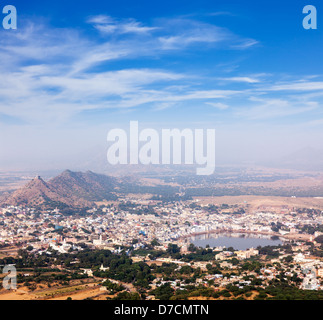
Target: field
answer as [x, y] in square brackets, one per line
[76, 292]
[261, 202]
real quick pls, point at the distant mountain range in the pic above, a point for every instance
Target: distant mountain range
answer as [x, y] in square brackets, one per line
[82, 189]
[69, 189]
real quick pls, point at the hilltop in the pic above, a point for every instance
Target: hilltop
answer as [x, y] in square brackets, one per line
[72, 189]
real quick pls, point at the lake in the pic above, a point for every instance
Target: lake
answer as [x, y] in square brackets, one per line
[237, 241]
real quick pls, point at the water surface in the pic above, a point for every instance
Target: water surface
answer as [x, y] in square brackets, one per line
[237, 241]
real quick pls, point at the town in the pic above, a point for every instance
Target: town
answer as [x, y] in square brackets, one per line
[157, 237]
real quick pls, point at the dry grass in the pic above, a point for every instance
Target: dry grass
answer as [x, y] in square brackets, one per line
[255, 202]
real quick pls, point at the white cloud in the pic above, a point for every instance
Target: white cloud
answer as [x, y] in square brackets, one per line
[51, 74]
[218, 105]
[241, 79]
[272, 108]
[109, 25]
[245, 44]
[299, 86]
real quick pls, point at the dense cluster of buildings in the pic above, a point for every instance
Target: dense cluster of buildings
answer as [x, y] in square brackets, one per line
[110, 227]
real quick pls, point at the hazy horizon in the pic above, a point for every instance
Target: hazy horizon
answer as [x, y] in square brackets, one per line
[73, 72]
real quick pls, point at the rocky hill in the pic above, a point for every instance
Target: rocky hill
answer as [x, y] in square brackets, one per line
[73, 189]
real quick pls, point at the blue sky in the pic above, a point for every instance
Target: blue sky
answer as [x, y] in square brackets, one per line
[74, 69]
